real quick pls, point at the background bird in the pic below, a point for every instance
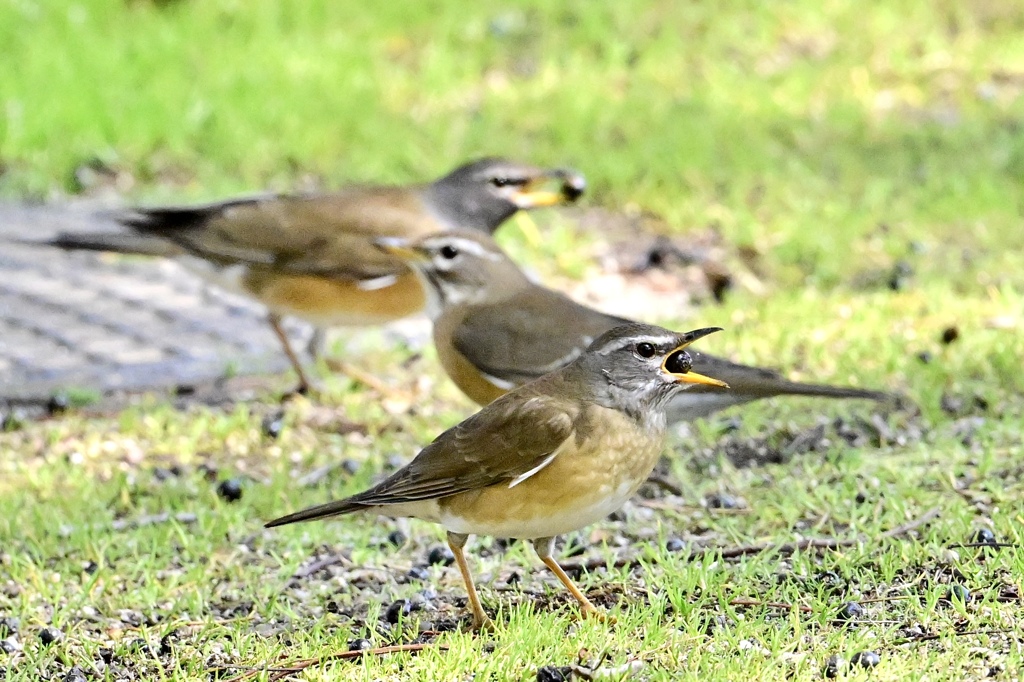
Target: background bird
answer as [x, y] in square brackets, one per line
[495, 329]
[312, 256]
[550, 457]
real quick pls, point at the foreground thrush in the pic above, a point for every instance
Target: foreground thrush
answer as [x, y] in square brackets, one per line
[549, 457]
[312, 255]
[495, 329]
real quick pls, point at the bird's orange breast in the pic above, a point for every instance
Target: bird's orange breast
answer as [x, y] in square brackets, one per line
[335, 302]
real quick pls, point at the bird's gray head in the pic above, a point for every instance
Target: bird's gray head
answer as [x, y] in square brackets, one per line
[458, 267]
[637, 368]
[483, 194]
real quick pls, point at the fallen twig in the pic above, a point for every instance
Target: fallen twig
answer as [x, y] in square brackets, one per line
[319, 565]
[283, 671]
[771, 604]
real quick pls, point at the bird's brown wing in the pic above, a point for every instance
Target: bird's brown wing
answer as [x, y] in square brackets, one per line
[327, 235]
[533, 333]
[502, 442]
[506, 439]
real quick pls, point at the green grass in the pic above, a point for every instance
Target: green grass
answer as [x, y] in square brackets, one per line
[835, 139]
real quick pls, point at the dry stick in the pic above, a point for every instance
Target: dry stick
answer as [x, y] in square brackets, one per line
[771, 604]
[744, 550]
[280, 672]
[319, 565]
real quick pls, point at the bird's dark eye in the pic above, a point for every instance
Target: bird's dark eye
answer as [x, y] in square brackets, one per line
[449, 252]
[505, 181]
[679, 362]
[645, 350]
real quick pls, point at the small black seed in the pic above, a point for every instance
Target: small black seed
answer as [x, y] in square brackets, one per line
[273, 424]
[861, 498]
[949, 335]
[513, 578]
[230, 490]
[182, 390]
[851, 610]
[833, 665]
[397, 538]
[722, 501]
[57, 404]
[830, 579]
[75, 675]
[675, 545]
[865, 659]
[958, 593]
[502, 544]
[440, 555]
[50, 635]
[106, 655]
[397, 610]
[983, 536]
[166, 645]
[90, 567]
[332, 607]
[418, 573]
[138, 646]
[924, 357]
[550, 673]
[360, 644]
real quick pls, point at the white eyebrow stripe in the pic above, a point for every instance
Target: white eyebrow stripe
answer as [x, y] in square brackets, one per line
[658, 341]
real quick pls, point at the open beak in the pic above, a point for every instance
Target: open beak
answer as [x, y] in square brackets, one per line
[400, 248]
[560, 186]
[678, 363]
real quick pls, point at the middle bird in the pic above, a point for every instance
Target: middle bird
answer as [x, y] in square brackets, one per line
[495, 329]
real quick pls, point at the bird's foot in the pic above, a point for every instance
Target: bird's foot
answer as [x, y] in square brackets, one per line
[594, 613]
[482, 623]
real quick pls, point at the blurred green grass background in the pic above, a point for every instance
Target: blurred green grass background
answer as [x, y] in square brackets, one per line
[802, 124]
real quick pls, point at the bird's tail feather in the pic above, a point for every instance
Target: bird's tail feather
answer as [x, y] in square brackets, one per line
[336, 508]
[116, 242]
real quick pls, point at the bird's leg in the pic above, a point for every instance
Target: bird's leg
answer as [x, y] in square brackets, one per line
[366, 379]
[304, 383]
[456, 541]
[544, 547]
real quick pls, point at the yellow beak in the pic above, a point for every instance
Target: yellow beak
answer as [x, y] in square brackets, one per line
[551, 189]
[400, 248]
